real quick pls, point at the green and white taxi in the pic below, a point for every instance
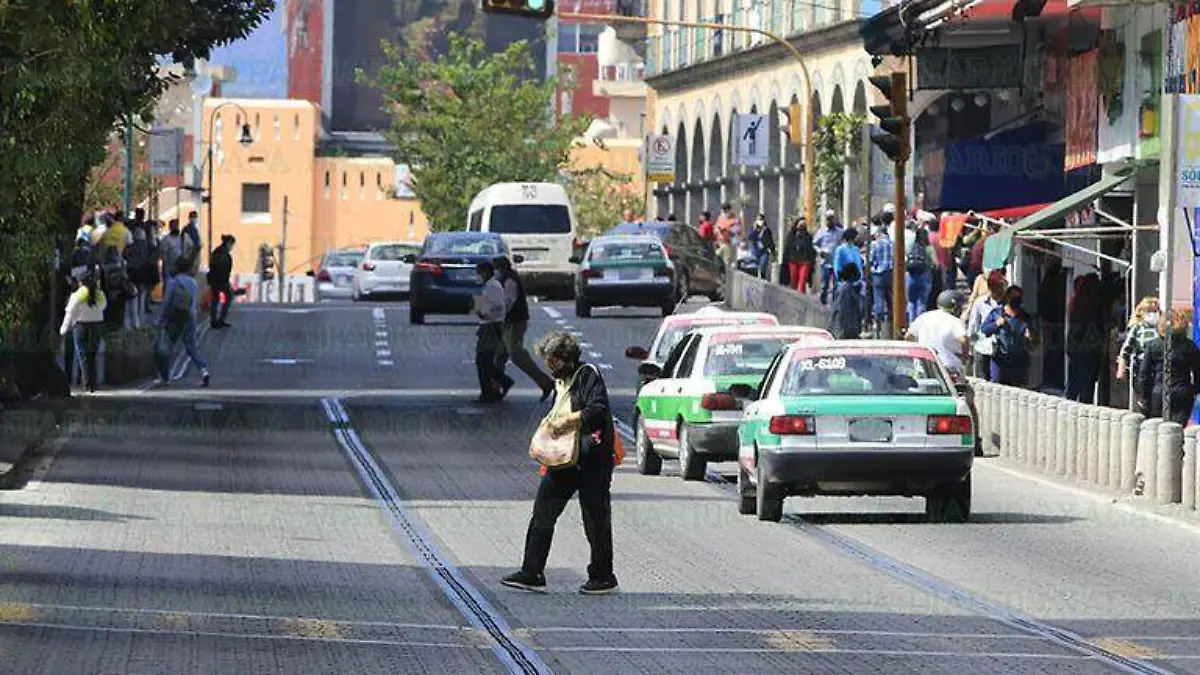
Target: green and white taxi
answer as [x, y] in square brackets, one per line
[857, 417]
[674, 328]
[691, 409]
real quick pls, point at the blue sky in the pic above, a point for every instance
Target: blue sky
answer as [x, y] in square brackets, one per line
[260, 61]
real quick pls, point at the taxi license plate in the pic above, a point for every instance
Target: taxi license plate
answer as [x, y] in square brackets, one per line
[871, 431]
[628, 274]
[529, 256]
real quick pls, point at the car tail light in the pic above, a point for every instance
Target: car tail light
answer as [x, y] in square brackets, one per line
[949, 425]
[368, 267]
[589, 273]
[431, 268]
[719, 402]
[324, 276]
[667, 250]
[793, 425]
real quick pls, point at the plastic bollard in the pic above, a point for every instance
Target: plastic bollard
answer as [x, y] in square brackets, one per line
[1170, 463]
[1188, 498]
[1040, 423]
[1104, 446]
[1093, 443]
[1147, 455]
[1131, 428]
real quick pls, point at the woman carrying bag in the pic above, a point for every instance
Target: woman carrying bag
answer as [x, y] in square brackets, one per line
[577, 446]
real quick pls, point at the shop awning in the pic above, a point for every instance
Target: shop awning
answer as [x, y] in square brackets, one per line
[1014, 211]
[998, 247]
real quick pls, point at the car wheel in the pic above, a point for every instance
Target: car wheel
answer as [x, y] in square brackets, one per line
[949, 503]
[691, 467]
[768, 499]
[648, 461]
[747, 501]
[583, 309]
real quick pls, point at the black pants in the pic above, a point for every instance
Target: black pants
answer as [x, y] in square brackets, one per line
[1181, 405]
[220, 309]
[1083, 369]
[593, 480]
[488, 345]
[87, 338]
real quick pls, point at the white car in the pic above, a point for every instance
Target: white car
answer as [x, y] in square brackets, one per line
[383, 269]
[335, 276]
[674, 328]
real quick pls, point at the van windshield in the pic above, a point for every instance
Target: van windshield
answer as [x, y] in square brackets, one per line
[530, 219]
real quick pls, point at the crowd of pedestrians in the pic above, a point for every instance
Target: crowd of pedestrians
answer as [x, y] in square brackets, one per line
[114, 266]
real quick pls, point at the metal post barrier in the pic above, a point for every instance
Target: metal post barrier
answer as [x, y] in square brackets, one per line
[1037, 431]
[1092, 449]
[1147, 456]
[1188, 482]
[991, 443]
[1131, 425]
[1170, 463]
[1104, 447]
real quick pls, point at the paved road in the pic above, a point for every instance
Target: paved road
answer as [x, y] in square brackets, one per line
[335, 503]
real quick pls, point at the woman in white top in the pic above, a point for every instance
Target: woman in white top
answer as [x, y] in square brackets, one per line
[84, 316]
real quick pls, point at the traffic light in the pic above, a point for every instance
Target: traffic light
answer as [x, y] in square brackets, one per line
[795, 124]
[266, 263]
[893, 116]
[533, 9]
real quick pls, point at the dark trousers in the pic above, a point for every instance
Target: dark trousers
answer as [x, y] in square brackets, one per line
[1082, 372]
[87, 339]
[828, 282]
[1182, 403]
[593, 480]
[488, 345]
[222, 298]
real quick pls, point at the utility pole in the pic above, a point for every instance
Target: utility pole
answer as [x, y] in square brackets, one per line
[1168, 207]
[128, 163]
[893, 139]
[282, 268]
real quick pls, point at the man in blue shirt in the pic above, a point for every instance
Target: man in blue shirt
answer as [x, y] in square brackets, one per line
[826, 241]
[848, 253]
[179, 321]
[880, 256]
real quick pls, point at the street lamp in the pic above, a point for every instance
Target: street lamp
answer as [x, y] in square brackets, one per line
[245, 140]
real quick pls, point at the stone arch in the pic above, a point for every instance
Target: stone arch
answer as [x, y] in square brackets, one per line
[860, 99]
[698, 119]
[716, 159]
[837, 81]
[664, 121]
[681, 153]
[698, 164]
[756, 100]
[837, 102]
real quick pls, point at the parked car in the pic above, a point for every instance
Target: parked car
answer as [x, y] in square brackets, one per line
[690, 411]
[699, 271]
[443, 278]
[335, 275]
[857, 417]
[625, 271]
[674, 328]
[383, 269]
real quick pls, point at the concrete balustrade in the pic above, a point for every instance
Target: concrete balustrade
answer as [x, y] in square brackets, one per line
[1095, 445]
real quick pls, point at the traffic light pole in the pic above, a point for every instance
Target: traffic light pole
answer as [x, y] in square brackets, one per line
[810, 199]
[899, 306]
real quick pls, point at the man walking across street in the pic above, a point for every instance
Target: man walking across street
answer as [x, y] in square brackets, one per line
[179, 322]
[942, 331]
[516, 322]
[219, 272]
[493, 382]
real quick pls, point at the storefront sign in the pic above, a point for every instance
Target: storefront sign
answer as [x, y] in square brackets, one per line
[1082, 106]
[997, 67]
[660, 160]
[1187, 180]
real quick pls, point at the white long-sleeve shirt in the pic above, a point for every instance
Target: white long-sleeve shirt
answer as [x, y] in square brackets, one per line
[79, 311]
[492, 306]
[979, 313]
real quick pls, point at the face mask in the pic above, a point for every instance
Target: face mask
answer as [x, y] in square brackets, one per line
[1151, 319]
[1017, 303]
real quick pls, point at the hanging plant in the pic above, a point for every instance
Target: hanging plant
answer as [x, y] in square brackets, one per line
[838, 137]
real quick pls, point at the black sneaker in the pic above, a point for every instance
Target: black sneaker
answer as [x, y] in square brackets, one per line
[525, 581]
[599, 586]
[204, 377]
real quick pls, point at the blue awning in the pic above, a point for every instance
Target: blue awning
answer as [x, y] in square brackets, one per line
[1013, 168]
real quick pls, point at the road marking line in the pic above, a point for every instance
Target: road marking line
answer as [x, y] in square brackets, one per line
[568, 326]
[515, 655]
[386, 362]
[383, 352]
[605, 366]
[813, 631]
[379, 314]
[561, 322]
[554, 313]
[594, 355]
[11, 612]
[585, 345]
[871, 652]
[791, 641]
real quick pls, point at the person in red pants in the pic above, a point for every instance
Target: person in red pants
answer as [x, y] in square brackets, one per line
[799, 254]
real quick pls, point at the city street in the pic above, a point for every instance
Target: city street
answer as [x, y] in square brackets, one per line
[336, 503]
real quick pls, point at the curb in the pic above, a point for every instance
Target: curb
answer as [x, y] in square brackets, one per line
[39, 453]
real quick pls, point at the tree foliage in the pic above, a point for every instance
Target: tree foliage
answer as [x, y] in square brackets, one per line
[106, 181]
[468, 119]
[600, 198]
[838, 135]
[68, 72]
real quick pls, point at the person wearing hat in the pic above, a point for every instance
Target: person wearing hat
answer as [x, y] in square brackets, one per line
[942, 331]
[220, 269]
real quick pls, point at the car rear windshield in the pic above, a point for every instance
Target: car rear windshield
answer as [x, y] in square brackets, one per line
[680, 331]
[862, 374]
[346, 259]
[743, 356]
[530, 219]
[626, 251]
[640, 228]
[474, 246]
[392, 252]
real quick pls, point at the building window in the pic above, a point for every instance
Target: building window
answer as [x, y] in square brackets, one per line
[568, 38]
[589, 39]
[326, 185]
[379, 187]
[344, 193]
[256, 200]
[296, 122]
[798, 8]
[257, 126]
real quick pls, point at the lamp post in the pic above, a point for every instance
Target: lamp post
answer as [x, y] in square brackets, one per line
[245, 140]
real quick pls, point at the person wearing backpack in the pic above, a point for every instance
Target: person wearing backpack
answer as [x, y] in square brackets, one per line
[918, 263]
[1010, 326]
[179, 321]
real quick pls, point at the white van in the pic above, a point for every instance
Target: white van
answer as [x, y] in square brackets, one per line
[537, 221]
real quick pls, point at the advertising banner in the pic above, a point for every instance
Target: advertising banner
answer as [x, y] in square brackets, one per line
[1083, 102]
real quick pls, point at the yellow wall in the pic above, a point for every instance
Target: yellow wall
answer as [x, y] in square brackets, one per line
[618, 156]
[363, 211]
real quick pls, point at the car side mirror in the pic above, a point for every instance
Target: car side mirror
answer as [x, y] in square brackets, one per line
[409, 258]
[518, 258]
[575, 260]
[742, 391]
[309, 273]
[649, 371]
[637, 353]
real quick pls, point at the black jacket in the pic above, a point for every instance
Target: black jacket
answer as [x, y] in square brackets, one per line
[798, 246]
[221, 268]
[590, 397]
[520, 307]
[1185, 368]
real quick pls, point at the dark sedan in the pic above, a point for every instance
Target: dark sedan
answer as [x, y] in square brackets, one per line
[444, 280]
[622, 271]
[699, 271]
